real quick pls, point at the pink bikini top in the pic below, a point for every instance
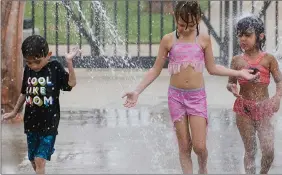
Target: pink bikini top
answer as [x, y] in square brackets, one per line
[185, 54]
[254, 64]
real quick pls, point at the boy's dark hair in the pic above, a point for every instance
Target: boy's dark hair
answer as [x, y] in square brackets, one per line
[252, 23]
[188, 10]
[35, 46]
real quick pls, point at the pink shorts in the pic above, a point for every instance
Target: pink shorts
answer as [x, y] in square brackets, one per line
[253, 109]
[187, 102]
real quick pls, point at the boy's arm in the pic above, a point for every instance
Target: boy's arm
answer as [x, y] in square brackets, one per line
[277, 76]
[69, 57]
[22, 96]
[72, 77]
[19, 104]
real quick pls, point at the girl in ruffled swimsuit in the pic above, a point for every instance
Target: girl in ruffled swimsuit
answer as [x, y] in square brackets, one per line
[253, 107]
[188, 52]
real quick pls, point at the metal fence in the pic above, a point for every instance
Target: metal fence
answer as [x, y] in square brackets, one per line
[126, 33]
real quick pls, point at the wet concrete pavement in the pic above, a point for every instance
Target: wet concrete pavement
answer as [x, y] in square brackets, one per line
[98, 135]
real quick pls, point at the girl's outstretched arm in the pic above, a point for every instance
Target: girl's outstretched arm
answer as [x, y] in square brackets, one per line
[219, 70]
[155, 71]
[232, 79]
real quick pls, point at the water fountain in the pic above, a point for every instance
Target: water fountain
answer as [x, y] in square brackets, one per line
[112, 34]
[113, 53]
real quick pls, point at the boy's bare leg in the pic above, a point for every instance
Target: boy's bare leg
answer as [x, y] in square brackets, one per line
[33, 165]
[40, 165]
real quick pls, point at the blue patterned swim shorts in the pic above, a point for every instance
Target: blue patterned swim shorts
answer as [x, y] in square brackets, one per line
[40, 145]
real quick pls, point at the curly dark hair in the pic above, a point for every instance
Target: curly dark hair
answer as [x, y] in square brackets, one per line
[252, 24]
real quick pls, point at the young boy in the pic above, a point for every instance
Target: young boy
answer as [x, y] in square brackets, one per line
[42, 81]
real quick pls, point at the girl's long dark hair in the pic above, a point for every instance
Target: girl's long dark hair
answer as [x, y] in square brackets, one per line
[188, 11]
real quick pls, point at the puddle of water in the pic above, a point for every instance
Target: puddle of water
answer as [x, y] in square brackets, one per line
[97, 140]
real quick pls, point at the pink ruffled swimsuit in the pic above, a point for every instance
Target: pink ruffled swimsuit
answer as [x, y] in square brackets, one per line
[186, 102]
[185, 54]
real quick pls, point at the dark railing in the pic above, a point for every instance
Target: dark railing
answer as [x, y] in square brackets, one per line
[140, 29]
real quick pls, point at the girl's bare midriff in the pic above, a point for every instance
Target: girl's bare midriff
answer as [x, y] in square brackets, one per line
[254, 91]
[187, 78]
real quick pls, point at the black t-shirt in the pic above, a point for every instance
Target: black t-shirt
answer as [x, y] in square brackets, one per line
[42, 90]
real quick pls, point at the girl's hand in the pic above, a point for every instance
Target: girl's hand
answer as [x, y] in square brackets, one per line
[275, 101]
[248, 74]
[234, 90]
[131, 99]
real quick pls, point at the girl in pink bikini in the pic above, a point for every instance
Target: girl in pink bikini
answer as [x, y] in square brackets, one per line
[253, 107]
[188, 52]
